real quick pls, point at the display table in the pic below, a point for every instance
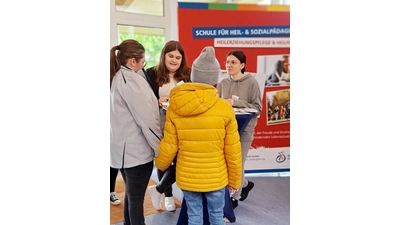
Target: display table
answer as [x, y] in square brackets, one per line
[242, 119]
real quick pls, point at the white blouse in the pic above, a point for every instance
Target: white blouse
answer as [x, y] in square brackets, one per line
[166, 88]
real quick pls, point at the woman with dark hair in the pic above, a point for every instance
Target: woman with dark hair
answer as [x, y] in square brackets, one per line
[171, 69]
[241, 91]
[135, 131]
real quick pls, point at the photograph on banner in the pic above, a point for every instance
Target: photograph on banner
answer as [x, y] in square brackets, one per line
[278, 103]
[277, 68]
[270, 149]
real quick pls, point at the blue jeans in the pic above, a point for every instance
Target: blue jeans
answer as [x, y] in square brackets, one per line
[215, 206]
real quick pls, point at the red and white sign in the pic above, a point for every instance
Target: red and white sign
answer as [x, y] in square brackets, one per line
[281, 42]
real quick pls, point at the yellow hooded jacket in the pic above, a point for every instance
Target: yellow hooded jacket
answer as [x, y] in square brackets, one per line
[202, 131]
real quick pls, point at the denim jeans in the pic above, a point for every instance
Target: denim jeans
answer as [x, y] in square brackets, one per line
[136, 180]
[215, 206]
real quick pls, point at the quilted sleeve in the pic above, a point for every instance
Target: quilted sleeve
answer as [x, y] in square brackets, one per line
[168, 146]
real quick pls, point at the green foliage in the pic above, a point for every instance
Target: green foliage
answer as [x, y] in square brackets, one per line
[152, 44]
[280, 98]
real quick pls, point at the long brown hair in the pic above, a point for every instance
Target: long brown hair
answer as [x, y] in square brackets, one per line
[182, 73]
[126, 50]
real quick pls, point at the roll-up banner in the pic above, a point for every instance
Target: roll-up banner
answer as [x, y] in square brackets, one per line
[262, 32]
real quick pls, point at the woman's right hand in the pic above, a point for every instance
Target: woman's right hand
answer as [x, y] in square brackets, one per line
[162, 100]
[230, 101]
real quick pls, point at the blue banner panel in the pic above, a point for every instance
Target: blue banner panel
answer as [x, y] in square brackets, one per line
[258, 31]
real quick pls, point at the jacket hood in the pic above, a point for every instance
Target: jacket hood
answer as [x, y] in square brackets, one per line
[191, 99]
[245, 77]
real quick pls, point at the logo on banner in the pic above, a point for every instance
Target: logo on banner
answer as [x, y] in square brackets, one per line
[281, 157]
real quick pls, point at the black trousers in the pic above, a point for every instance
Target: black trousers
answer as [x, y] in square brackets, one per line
[113, 178]
[136, 180]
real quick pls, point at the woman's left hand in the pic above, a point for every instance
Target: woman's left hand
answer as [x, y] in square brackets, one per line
[232, 189]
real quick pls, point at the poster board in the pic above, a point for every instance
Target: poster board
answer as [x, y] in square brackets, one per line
[262, 32]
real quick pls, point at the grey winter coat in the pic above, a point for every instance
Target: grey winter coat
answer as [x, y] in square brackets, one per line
[134, 117]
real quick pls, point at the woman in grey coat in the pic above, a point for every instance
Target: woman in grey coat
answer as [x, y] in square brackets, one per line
[135, 129]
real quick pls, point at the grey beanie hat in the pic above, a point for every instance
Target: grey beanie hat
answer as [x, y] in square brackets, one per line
[205, 68]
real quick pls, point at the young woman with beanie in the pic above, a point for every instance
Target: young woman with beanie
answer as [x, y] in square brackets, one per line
[135, 131]
[171, 69]
[202, 132]
[241, 91]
